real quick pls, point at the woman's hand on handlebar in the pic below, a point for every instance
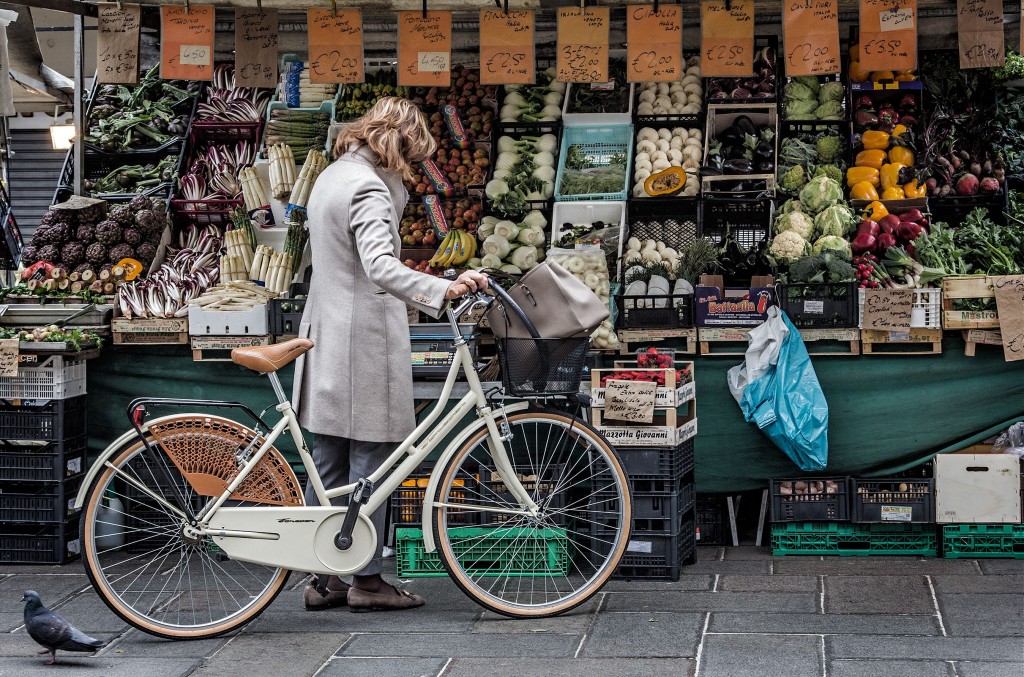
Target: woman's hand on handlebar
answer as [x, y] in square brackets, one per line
[468, 282]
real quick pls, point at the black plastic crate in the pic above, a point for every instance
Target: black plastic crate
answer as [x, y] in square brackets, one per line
[893, 500]
[656, 463]
[40, 544]
[828, 304]
[817, 499]
[657, 558]
[549, 492]
[672, 220]
[285, 316]
[747, 219]
[11, 242]
[662, 312]
[52, 421]
[656, 514]
[38, 503]
[407, 501]
[711, 516]
[48, 462]
[953, 209]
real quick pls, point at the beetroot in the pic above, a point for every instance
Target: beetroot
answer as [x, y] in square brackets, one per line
[989, 185]
[968, 184]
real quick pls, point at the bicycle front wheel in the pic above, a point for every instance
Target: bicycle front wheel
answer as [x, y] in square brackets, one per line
[533, 565]
[144, 565]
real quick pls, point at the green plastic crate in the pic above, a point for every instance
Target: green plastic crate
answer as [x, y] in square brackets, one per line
[834, 538]
[541, 556]
[983, 540]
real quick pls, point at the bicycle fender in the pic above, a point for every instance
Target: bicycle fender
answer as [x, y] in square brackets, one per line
[442, 462]
[117, 445]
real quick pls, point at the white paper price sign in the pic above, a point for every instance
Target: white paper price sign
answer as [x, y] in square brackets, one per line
[433, 62]
[194, 55]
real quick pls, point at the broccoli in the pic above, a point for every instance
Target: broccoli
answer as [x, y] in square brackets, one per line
[829, 148]
[822, 267]
[794, 179]
[831, 171]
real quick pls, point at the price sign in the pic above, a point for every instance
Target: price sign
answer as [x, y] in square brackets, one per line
[506, 47]
[888, 35]
[888, 309]
[583, 44]
[1009, 291]
[980, 33]
[186, 42]
[630, 401]
[256, 47]
[654, 45]
[812, 37]
[117, 43]
[335, 46]
[424, 48]
[727, 38]
[9, 357]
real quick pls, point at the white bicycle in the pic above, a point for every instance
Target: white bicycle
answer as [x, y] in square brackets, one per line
[191, 522]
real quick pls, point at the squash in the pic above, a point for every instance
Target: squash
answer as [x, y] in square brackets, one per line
[665, 183]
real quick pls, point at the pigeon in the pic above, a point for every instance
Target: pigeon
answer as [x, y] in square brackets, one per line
[49, 629]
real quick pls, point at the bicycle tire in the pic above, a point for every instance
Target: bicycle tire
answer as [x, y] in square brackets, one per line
[564, 544]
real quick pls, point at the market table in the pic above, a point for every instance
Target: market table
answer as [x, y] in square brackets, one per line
[886, 413]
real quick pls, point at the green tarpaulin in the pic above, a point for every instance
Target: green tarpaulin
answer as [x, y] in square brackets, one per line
[885, 412]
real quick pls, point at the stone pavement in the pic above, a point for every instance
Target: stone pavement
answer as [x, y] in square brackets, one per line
[736, 612]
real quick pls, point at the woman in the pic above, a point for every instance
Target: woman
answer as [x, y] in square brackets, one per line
[354, 389]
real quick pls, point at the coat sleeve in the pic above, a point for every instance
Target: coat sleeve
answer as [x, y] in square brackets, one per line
[370, 221]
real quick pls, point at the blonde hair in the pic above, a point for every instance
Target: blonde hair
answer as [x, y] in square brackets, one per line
[395, 130]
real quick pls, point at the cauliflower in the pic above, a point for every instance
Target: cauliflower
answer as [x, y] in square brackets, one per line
[831, 171]
[835, 220]
[794, 179]
[787, 246]
[831, 91]
[830, 110]
[829, 148]
[820, 192]
[833, 243]
[797, 222]
[790, 206]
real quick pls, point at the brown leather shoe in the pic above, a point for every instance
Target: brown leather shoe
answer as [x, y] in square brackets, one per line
[314, 601]
[389, 599]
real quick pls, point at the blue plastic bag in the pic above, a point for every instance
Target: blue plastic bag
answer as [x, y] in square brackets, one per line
[778, 391]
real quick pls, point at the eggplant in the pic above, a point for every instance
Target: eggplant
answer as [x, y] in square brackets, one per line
[865, 118]
[735, 152]
[738, 166]
[708, 170]
[730, 136]
[764, 152]
[765, 167]
[745, 125]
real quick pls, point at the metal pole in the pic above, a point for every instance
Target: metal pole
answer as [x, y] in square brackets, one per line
[79, 149]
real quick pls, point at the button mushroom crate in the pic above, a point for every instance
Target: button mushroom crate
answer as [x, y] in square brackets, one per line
[810, 499]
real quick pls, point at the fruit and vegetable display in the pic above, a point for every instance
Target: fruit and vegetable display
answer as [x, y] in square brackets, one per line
[667, 161]
[614, 99]
[804, 156]
[416, 228]
[524, 172]
[225, 102]
[541, 102]
[590, 266]
[509, 246]
[652, 367]
[236, 296]
[683, 98]
[812, 224]
[295, 89]
[761, 85]
[742, 148]
[214, 173]
[77, 339]
[301, 130]
[456, 249]
[134, 179]
[807, 98]
[589, 171]
[884, 167]
[653, 269]
[357, 99]
[857, 74]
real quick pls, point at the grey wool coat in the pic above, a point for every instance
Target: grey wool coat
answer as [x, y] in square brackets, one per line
[356, 382]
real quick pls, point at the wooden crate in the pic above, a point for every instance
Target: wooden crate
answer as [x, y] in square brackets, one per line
[824, 342]
[682, 340]
[218, 348]
[669, 429]
[147, 331]
[723, 341]
[967, 287]
[975, 337]
[912, 342]
[672, 394]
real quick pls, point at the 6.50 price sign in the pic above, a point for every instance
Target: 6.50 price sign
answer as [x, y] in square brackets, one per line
[335, 46]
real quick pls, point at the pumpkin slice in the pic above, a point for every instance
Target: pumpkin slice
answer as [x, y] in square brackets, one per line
[665, 183]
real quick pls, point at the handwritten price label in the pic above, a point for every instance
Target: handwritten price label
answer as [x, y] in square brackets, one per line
[888, 33]
[654, 45]
[583, 44]
[980, 33]
[194, 55]
[727, 38]
[186, 42]
[433, 62]
[896, 20]
[256, 47]
[117, 43]
[506, 47]
[424, 48]
[1009, 292]
[335, 46]
[812, 37]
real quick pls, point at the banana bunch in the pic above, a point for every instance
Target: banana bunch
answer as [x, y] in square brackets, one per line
[455, 249]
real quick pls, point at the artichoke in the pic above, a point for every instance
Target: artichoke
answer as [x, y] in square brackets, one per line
[72, 254]
[51, 217]
[41, 236]
[96, 253]
[59, 233]
[122, 214]
[132, 236]
[108, 233]
[49, 253]
[145, 252]
[85, 233]
[29, 255]
[121, 251]
[146, 220]
[140, 202]
[159, 205]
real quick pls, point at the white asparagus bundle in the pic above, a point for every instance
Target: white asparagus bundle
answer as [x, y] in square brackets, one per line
[311, 168]
[236, 242]
[282, 170]
[232, 268]
[254, 191]
[233, 295]
[279, 273]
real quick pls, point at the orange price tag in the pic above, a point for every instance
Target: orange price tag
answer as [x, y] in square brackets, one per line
[888, 35]
[980, 33]
[654, 44]
[812, 37]
[335, 46]
[506, 47]
[425, 49]
[186, 42]
[583, 44]
[727, 38]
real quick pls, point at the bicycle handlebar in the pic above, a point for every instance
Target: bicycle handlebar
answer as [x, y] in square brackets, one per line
[502, 296]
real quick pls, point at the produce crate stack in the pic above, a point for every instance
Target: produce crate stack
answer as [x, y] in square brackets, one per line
[978, 503]
[42, 461]
[658, 459]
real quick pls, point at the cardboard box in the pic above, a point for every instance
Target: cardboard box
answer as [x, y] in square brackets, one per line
[252, 322]
[718, 306]
[977, 489]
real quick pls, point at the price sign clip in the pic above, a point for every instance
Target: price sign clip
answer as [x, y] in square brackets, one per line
[259, 7]
[334, 7]
[424, 9]
[118, 5]
[186, 6]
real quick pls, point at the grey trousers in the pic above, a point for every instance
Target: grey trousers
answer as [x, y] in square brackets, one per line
[341, 461]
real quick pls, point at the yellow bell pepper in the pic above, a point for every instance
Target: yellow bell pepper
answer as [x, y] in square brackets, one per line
[870, 158]
[898, 131]
[913, 189]
[875, 211]
[858, 74]
[874, 140]
[891, 175]
[855, 175]
[863, 191]
[878, 76]
[892, 193]
[902, 155]
[905, 76]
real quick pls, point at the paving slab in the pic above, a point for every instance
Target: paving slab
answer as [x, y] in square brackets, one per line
[20, 644]
[88, 613]
[761, 552]
[736, 566]
[106, 666]
[776, 602]
[925, 648]
[644, 635]
[991, 615]
[873, 566]
[760, 655]
[574, 622]
[382, 667]
[444, 645]
[741, 583]
[828, 624]
[137, 644]
[1001, 566]
[978, 585]
[878, 594]
[52, 589]
[861, 668]
[10, 620]
[689, 582]
[987, 669]
[289, 654]
[570, 667]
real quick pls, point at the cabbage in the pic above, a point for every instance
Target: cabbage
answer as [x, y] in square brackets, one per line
[831, 91]
[801, 107]
[797, 91]
[798, 222]
[819, 193]
[834, 244]
[830, 110]
[836, 220]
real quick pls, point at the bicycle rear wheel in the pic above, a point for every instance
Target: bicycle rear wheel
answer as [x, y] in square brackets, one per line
[524, 565]
[147, 569]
